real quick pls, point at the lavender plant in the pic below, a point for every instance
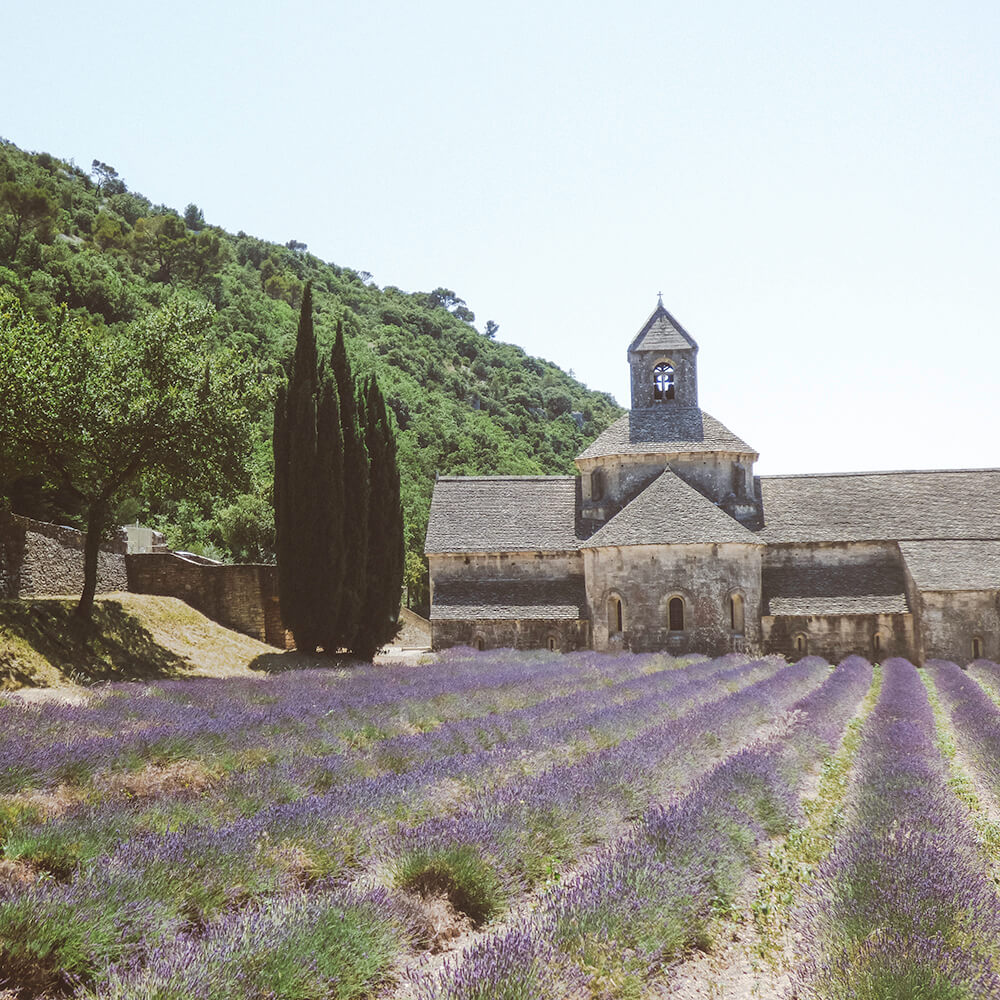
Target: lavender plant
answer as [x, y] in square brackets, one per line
[902, 902]
[654, 891]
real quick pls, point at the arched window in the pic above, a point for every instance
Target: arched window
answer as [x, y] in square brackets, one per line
[596, 485]
[736, 617]
[663, 381]
[479, 643]
[552, 643]
[616, 615]
[877, 644]
[977, 648]
[675, 614]
[801, 644]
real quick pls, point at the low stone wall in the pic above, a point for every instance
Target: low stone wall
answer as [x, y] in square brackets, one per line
[952, 620]
[563, 635]
[39, 559]
[243, 598]
[835, 637]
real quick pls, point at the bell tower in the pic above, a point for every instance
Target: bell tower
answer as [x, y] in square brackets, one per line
[664, 362]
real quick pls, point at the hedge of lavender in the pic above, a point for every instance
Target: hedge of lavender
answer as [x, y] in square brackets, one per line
[975, 716]
[902, 906]
[240, 883]
[526, 829]
[399, 780]
[654, 891]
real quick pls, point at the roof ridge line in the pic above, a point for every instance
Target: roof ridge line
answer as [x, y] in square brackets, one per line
[875, 472]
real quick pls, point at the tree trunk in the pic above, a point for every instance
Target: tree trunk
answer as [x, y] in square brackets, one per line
[96, 520]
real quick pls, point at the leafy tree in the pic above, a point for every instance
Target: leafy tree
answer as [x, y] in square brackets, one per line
[108, 180]
[30, 209]
[100, 412]
[492, 329]
[193, 217]
[246, 527]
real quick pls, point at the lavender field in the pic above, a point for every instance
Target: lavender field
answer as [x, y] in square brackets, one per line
[508, 825]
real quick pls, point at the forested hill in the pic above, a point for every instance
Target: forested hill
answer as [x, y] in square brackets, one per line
[464, 402]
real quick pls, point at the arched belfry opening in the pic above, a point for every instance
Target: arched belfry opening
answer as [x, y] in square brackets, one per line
[663, 359]
[663, 382]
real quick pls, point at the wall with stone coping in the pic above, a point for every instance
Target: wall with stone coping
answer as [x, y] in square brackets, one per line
[38, 559]
[243, 598]
[836, 636]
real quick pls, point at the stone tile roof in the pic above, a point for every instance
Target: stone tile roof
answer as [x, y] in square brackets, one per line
[661, 332]
[666, 429]
[953, 565]
[669, 512]
[503, 514]
[873, 506]
[887, 604]
[872, 586]
[509, 599]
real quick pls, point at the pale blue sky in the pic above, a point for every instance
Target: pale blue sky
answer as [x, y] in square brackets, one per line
[813, 187]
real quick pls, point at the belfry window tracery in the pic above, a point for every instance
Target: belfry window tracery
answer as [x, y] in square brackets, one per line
[663, 382]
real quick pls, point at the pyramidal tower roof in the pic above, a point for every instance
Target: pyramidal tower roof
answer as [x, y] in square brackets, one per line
[670, 512]
[661, 332]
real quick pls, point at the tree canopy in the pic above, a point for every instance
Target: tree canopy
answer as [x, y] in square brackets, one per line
[103, 413]
[464, 402]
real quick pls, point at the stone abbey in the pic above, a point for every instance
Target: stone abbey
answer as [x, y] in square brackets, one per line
[666, 540]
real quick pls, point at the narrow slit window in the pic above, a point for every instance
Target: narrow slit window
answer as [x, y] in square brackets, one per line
[616, 616]
[597, 485]
[552, 643]
[736, 618]
[800, 644]
[675, 614]
[479, 644]
[977, 648]
[877, 644]
[663, 381]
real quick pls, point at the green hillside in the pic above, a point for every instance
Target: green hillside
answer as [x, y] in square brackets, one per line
[464, 402]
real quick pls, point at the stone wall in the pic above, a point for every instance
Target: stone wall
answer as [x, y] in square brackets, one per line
[836, 636]
[646, 577]
[243, 598]
[39, 559]
[685, 365]
[952, 619]
[561, 635]
[716, 475]
[478, 566]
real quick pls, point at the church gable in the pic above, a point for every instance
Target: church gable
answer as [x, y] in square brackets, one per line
[669, 512]
[661, 332]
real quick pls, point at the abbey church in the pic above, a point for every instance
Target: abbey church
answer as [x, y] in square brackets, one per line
[666, 540]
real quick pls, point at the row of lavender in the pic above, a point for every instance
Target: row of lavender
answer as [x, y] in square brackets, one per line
[652, 892]
[902, 907]
[301, 712]
[485, 846]
[401, 779]
[213, 887]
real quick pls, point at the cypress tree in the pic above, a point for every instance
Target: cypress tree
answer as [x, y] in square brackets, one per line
[384, 580]
[297, 513]
[350, 626]
[330, 497]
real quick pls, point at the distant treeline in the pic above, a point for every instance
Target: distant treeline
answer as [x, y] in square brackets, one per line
[464, 402]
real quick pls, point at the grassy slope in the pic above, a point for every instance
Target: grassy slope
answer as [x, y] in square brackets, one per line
[132, 637]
